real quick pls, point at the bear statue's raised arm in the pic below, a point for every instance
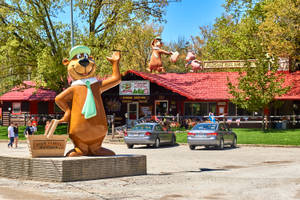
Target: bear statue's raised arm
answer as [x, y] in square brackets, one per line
[115, 79]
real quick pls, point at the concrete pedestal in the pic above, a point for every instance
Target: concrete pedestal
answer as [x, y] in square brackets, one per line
[64, 169]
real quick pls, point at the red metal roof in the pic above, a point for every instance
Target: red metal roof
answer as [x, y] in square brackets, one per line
[292, 80]
[28, 92]
[210, 85]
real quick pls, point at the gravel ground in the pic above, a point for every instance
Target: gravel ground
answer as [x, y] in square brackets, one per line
[177, 173]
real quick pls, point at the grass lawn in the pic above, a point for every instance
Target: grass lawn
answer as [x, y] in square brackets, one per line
[256, 136]
[61, 129]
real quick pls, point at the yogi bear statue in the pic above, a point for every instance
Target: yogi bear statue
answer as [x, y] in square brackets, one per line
[82, 102]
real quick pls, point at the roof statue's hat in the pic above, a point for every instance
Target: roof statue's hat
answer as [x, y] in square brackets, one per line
[79, 49]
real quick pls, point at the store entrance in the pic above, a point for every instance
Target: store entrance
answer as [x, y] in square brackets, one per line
[133, 113]
[161, 107]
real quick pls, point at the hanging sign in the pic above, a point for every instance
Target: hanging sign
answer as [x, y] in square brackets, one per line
[134, 88]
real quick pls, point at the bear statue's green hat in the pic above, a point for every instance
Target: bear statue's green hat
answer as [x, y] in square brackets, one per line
[79, 50]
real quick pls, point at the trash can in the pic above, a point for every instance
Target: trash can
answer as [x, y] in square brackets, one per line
[278, 125]
[283, 124]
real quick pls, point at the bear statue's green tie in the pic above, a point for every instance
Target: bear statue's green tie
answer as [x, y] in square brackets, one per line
[89, 108]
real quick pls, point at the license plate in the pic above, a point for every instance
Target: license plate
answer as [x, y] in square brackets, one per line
[136, 134]
[202, 136]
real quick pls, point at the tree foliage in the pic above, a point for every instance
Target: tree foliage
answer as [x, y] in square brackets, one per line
[34, 40]
[280, 29]
[272, 24]
[257, 86]
[28, 29]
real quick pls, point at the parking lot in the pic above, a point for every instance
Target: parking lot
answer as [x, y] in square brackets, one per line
[178, 173]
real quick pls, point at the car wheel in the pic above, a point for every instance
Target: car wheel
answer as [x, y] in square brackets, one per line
[192, 147]
[130, 146]
[234, 143]
[221, 144]
[206, 147]
[157, 143]
[173, 140]
[148, 145]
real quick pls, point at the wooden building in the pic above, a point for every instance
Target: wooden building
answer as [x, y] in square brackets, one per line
[187, 94]
[25, 101]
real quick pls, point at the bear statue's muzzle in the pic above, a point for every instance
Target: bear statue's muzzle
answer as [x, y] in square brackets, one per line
[84, 62]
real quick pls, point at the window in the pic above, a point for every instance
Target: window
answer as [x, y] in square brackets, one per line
[222, 127]
[144, 127]
[158, 128]
[43, 107]
[243, 112]
[212, 107]
[16, 108]
[231, 109]
[161, 107]
[199, 108]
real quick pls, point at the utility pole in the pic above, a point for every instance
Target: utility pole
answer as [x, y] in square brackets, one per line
[72, 26]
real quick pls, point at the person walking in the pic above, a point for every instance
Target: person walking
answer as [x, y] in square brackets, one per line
[11, 135]
[16, 131]
[28, 130]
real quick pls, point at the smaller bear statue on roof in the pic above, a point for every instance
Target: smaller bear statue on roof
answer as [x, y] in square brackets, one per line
[191, 60]
[155, 64]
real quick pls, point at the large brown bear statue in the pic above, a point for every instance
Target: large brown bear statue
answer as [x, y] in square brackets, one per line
[82, 102]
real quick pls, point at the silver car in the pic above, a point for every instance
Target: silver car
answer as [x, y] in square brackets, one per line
[211, 134]
[149, 134]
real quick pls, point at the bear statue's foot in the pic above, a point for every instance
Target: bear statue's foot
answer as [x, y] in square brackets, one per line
[103, 152]
[74, 152]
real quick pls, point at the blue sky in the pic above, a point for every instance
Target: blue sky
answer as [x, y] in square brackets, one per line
[185, 17]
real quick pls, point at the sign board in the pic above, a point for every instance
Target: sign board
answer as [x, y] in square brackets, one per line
[134, 88]
[48, 144]
[41, 146]
[129, 99]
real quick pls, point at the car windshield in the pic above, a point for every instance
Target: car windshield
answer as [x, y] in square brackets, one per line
[205, 127]
[142, 127]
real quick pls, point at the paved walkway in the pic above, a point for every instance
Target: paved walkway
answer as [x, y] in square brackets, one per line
[177, 173]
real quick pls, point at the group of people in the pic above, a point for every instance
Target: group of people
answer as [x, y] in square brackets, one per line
[13, 132]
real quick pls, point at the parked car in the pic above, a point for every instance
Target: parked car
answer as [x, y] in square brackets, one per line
[148, 134]
[211, 134]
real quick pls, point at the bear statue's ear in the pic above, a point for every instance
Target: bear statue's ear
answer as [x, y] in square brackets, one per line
[65, 61]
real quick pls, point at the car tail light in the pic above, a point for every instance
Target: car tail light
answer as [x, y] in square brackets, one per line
[147, 133]
[212, 134]
[189, 133]
[125, 133]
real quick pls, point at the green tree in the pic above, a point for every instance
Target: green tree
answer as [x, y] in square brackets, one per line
[272, 24]
[34, 40]
[246, 32]
[280, 28]
[257, 86]
[28, 30]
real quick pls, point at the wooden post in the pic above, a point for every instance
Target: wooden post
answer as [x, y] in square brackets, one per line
[113, 126]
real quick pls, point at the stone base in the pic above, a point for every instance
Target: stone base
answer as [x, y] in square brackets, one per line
[64, 169]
